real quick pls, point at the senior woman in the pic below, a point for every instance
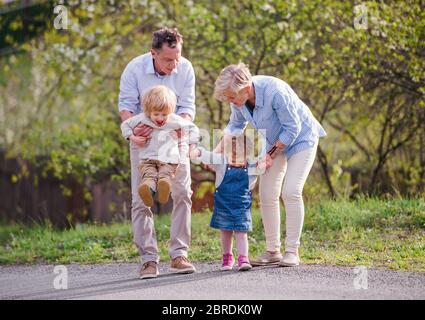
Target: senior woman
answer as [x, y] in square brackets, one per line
[292, 135]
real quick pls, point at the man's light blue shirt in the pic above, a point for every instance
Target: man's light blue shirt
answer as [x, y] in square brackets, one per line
[281, 113]
[139, 75]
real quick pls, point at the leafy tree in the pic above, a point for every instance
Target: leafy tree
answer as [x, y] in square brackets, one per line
[365, 85]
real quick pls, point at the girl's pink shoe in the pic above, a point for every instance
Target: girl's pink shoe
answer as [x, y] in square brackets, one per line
[228, 262]
[243, 263]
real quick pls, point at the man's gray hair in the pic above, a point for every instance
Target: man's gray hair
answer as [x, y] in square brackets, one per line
[170, 36]
[232, 78]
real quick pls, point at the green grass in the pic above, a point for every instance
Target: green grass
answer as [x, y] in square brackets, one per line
[370, 232]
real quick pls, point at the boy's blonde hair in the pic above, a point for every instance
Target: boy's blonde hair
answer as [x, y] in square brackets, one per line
[234, 78]
[159, 98]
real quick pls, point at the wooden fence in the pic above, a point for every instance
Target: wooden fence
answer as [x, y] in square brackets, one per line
[32, 198]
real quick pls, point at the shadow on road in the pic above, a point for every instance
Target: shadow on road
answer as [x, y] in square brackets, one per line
[123, 285]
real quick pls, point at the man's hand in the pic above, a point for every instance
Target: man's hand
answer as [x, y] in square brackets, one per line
[142, 130]
[173, 135]
[179, 134]
[140, 141]
[125, 114]
[186, 116]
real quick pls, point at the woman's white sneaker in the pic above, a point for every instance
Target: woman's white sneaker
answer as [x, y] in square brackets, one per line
[290, 259]
[267, 258]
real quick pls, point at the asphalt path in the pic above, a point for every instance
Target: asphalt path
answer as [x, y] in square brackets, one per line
[120, 281]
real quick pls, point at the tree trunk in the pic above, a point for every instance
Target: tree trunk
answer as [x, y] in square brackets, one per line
[324, 164]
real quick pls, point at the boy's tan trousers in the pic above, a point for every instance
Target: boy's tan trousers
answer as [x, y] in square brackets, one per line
[142, 218]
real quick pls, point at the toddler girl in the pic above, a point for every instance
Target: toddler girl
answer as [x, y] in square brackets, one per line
[235, 178]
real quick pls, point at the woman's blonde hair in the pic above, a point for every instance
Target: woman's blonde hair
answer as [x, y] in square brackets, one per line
[159, 98]
[234, 78]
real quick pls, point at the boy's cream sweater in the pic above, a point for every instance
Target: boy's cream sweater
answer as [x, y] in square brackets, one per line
[163, 145]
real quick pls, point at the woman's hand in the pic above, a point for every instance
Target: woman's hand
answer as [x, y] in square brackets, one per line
[279, 145]
[261, 165]
[276, 149]
[264, 164]
[269, 161]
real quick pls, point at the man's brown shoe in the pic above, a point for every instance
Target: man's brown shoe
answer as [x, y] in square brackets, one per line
[149, 270]
[182, 265]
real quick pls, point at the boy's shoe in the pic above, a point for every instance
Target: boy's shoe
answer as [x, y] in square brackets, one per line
[290, 259]
[164, 188]
[149, 270]
[243, 263]
[267, 258]
[146, 194]
[182, 265]
[228, 262]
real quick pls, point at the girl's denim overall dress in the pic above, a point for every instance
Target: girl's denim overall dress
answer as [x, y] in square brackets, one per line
[233, 201]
